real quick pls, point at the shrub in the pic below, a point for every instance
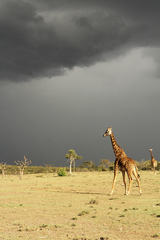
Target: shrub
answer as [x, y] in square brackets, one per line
[93, 201]
[83, 213]
[111, 167]
[61, 172]
[158, 165]
[144, 165]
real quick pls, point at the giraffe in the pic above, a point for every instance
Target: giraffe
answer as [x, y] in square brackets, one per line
[123, 163]
[153, 161]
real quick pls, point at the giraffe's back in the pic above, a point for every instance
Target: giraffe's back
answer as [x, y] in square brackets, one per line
[125, 163]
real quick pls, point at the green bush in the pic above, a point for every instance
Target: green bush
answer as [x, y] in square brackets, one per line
[111, 167]
[144, 165]
[61, 172]
[158, 165]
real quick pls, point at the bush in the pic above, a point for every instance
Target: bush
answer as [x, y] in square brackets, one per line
[111, 167]
[61, 172]
[158, 165]
[144, 165]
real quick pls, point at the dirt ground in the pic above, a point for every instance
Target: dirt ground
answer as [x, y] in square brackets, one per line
[79, 207]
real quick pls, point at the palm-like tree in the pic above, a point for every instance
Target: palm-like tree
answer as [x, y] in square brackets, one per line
[72, 156]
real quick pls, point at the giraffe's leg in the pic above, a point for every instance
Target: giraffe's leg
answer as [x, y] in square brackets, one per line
[137, 178]
[130, 181]
[123, 174]
[114, 179]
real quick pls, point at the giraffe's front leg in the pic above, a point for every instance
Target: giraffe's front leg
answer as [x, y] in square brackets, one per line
[114, 179]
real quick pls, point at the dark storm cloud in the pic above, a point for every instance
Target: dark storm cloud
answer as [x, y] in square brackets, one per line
[43, 38]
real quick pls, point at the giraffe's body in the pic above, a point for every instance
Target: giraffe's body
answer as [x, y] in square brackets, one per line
[153, 161]
[123, 163]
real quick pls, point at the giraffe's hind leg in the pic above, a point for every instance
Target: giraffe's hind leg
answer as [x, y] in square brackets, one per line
[123, 174]
[137, 178]
[130, 181]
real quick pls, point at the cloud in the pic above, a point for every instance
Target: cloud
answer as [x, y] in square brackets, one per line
[43, 39]
[44, 119]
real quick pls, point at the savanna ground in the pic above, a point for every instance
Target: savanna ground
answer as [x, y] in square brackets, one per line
[46, 206]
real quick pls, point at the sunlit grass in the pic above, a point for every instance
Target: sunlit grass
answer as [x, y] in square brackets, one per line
[79, 207]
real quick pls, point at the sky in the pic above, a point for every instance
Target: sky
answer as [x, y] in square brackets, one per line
[69, 69]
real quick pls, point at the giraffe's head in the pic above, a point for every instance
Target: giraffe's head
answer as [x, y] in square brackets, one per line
[108, 132]
[150, 150]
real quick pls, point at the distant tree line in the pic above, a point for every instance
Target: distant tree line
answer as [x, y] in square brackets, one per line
[86, 166]
[22, 166]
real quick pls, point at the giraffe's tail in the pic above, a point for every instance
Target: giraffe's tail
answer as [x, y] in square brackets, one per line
[136, 170]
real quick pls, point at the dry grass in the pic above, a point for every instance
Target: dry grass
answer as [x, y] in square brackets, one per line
[79, 207]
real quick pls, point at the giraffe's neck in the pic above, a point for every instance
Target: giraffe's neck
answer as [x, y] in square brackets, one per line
[151, 155]
[116, 148]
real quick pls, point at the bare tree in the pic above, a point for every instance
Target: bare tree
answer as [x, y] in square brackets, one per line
[21, 165]
[3, 168]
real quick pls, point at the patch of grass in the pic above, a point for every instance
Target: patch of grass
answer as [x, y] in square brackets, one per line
[104, 238]
[43, 226]
[83, 213]
[134, 208]
[155, 236]
[93, 201]
[57, 226]
[74, 218]
[153, 214]
[112, 198]
[73, 224]
[17, 224]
